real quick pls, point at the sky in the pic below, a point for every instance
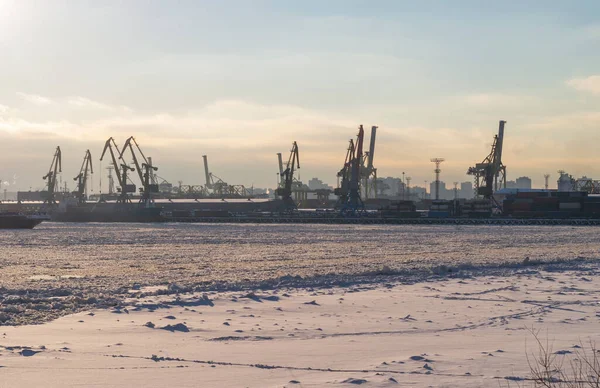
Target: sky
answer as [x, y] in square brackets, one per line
[240, 81]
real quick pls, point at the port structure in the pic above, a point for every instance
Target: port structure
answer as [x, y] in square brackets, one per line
[81, 179]
[218, 187]
[490, 175]
[546, 178]
[51, 178]
[145, 170]
[287, 177]
[111, 180]
[349, 200]
[437, 171]
[121, 170]
[368, 173]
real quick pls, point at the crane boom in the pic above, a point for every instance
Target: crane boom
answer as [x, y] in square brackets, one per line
[372, 147]
[144, 170]
[350, 201]
[127, 145]
[110, 143]
[280, 162]
[209, 184]
[355, 178]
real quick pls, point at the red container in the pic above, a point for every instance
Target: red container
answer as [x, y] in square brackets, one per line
[522, 206]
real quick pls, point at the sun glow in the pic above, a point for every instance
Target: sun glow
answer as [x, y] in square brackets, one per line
[10, 12]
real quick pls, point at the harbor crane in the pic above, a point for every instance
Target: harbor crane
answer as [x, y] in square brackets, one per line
[491, 173]
[219, 187]
[145, 170]
[52, 177]
[85, 170]
[287, 177]
[368, 172]
[280, 161]
[344, 176]
[121, 170]
[350, 202]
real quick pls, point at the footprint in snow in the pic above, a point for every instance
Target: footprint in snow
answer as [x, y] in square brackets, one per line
[354, 381]
[28, 352]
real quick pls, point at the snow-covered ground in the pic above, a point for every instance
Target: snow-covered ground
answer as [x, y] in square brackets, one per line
[451, 329]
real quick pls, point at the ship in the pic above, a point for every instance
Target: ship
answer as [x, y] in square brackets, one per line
[157, 211]
[108, 212]
[21, 221]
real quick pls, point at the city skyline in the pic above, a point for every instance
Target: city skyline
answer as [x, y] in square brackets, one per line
[204, 78]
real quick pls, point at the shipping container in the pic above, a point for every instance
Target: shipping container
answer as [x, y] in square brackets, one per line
[524, 200]
[181, 213]
[522, 206]
[211, 213]
[569, 205]
[438, 214]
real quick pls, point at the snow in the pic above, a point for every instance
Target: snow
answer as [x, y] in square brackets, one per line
[447, 331]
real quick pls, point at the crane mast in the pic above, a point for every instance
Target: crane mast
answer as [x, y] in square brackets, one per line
[84, 171]
[285, 192]
[52, 177]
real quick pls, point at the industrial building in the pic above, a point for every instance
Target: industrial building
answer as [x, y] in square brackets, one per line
[136, 193]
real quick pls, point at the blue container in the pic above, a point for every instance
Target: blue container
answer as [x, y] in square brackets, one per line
[438, 214]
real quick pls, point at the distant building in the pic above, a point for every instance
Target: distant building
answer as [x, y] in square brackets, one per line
[417, 193]
[390, 187]
[444, 192]
[466, 190]
[317, 184]
[523, 183]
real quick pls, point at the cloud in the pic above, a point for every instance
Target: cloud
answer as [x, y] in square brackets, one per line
[589, 84]
[242, 137]
[35, 99]
[86, 103]
[3, 109]
[495, 100]
[83, 102]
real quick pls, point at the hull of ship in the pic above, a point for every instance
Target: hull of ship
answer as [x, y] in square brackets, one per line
[109, 213]
[19, 222]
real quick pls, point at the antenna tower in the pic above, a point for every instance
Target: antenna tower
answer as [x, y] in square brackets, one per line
[437, 171]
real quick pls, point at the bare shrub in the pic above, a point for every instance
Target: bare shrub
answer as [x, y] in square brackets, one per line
[579, 368]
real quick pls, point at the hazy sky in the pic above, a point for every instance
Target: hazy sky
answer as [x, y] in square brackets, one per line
[240, 80]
